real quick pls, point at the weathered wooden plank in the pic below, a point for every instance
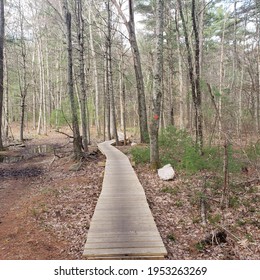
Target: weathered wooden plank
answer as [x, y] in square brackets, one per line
[118, 233]
[128, 244]
[122, 238]
[122, 225]
[117, 252]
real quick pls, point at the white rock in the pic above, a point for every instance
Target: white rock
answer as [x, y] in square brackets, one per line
[133, 144]
[166, 173]
[120, 136]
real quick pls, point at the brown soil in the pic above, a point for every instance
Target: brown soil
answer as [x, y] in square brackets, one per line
[46, 208]
[232, 233]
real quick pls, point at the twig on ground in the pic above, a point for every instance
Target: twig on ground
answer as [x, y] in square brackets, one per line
[229, 232]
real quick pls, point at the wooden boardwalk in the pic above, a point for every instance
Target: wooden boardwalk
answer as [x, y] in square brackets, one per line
[122, 226]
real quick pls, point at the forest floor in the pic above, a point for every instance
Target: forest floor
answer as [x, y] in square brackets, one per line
[46, 205]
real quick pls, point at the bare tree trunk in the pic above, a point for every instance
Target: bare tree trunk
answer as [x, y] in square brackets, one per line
[6, 106]
[110, 74]
[180, 73]
[157, 87]
[95, 74]
[40, 58]
[83, 96]
[107, 101]
[121, 85]
[258, 79]
[225, 193]
[195, 81]
[2, 35]
[221, 76]
[198, 98]
[77, 142]
[130, 25]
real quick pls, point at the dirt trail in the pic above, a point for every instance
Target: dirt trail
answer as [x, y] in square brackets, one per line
[45, 208]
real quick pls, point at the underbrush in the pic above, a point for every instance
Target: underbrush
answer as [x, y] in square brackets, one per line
[178, 149]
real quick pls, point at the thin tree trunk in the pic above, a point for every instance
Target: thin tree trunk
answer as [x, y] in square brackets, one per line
[110, 74]
[95, 74]
[2, 35]
[194, 81]
[157, 86]
[6, 106]
[225, 192]
[221, 73]
[40, 116]
[83, 97]
[107, 101]
[197, 79]
[130, 25]
[258, 80]
[77, 142]
[180, 73]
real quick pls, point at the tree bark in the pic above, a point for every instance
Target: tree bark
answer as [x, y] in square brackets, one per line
[110, 73]
[95, 74]
[194, 79]
[197, 101]
[77, 142]
[2, 35]
[83, 94]
[130, 25]
[180, 72]
[157, 87]
[258, 79]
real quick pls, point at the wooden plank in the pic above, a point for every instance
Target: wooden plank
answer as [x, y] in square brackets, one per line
[121, 238]
[119, 233]
[117, 245]
[125, 252]
[122, 225]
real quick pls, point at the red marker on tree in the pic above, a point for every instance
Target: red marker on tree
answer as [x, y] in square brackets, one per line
[156, 117]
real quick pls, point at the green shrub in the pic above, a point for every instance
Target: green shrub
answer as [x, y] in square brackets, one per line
[179, 149]
[141, 154]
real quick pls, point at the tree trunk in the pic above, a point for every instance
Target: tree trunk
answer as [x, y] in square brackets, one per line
[95, 74]
[180, 73]
[199, 128]
[6, 106]
[107, 103]
[2, 35]
[258, 80]
[130, 25]
[22, 118]
[221, 76]
[110, 74]
[83, 97]
[22, 77]
[77, 142]
[157, 87]
[194, 79]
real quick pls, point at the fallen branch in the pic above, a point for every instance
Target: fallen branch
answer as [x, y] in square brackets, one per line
[248, 183]
[61, 132]
[239, 241]
[52, 161]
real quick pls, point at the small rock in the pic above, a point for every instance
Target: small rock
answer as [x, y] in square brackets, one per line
[133, 144]
[166, 173]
